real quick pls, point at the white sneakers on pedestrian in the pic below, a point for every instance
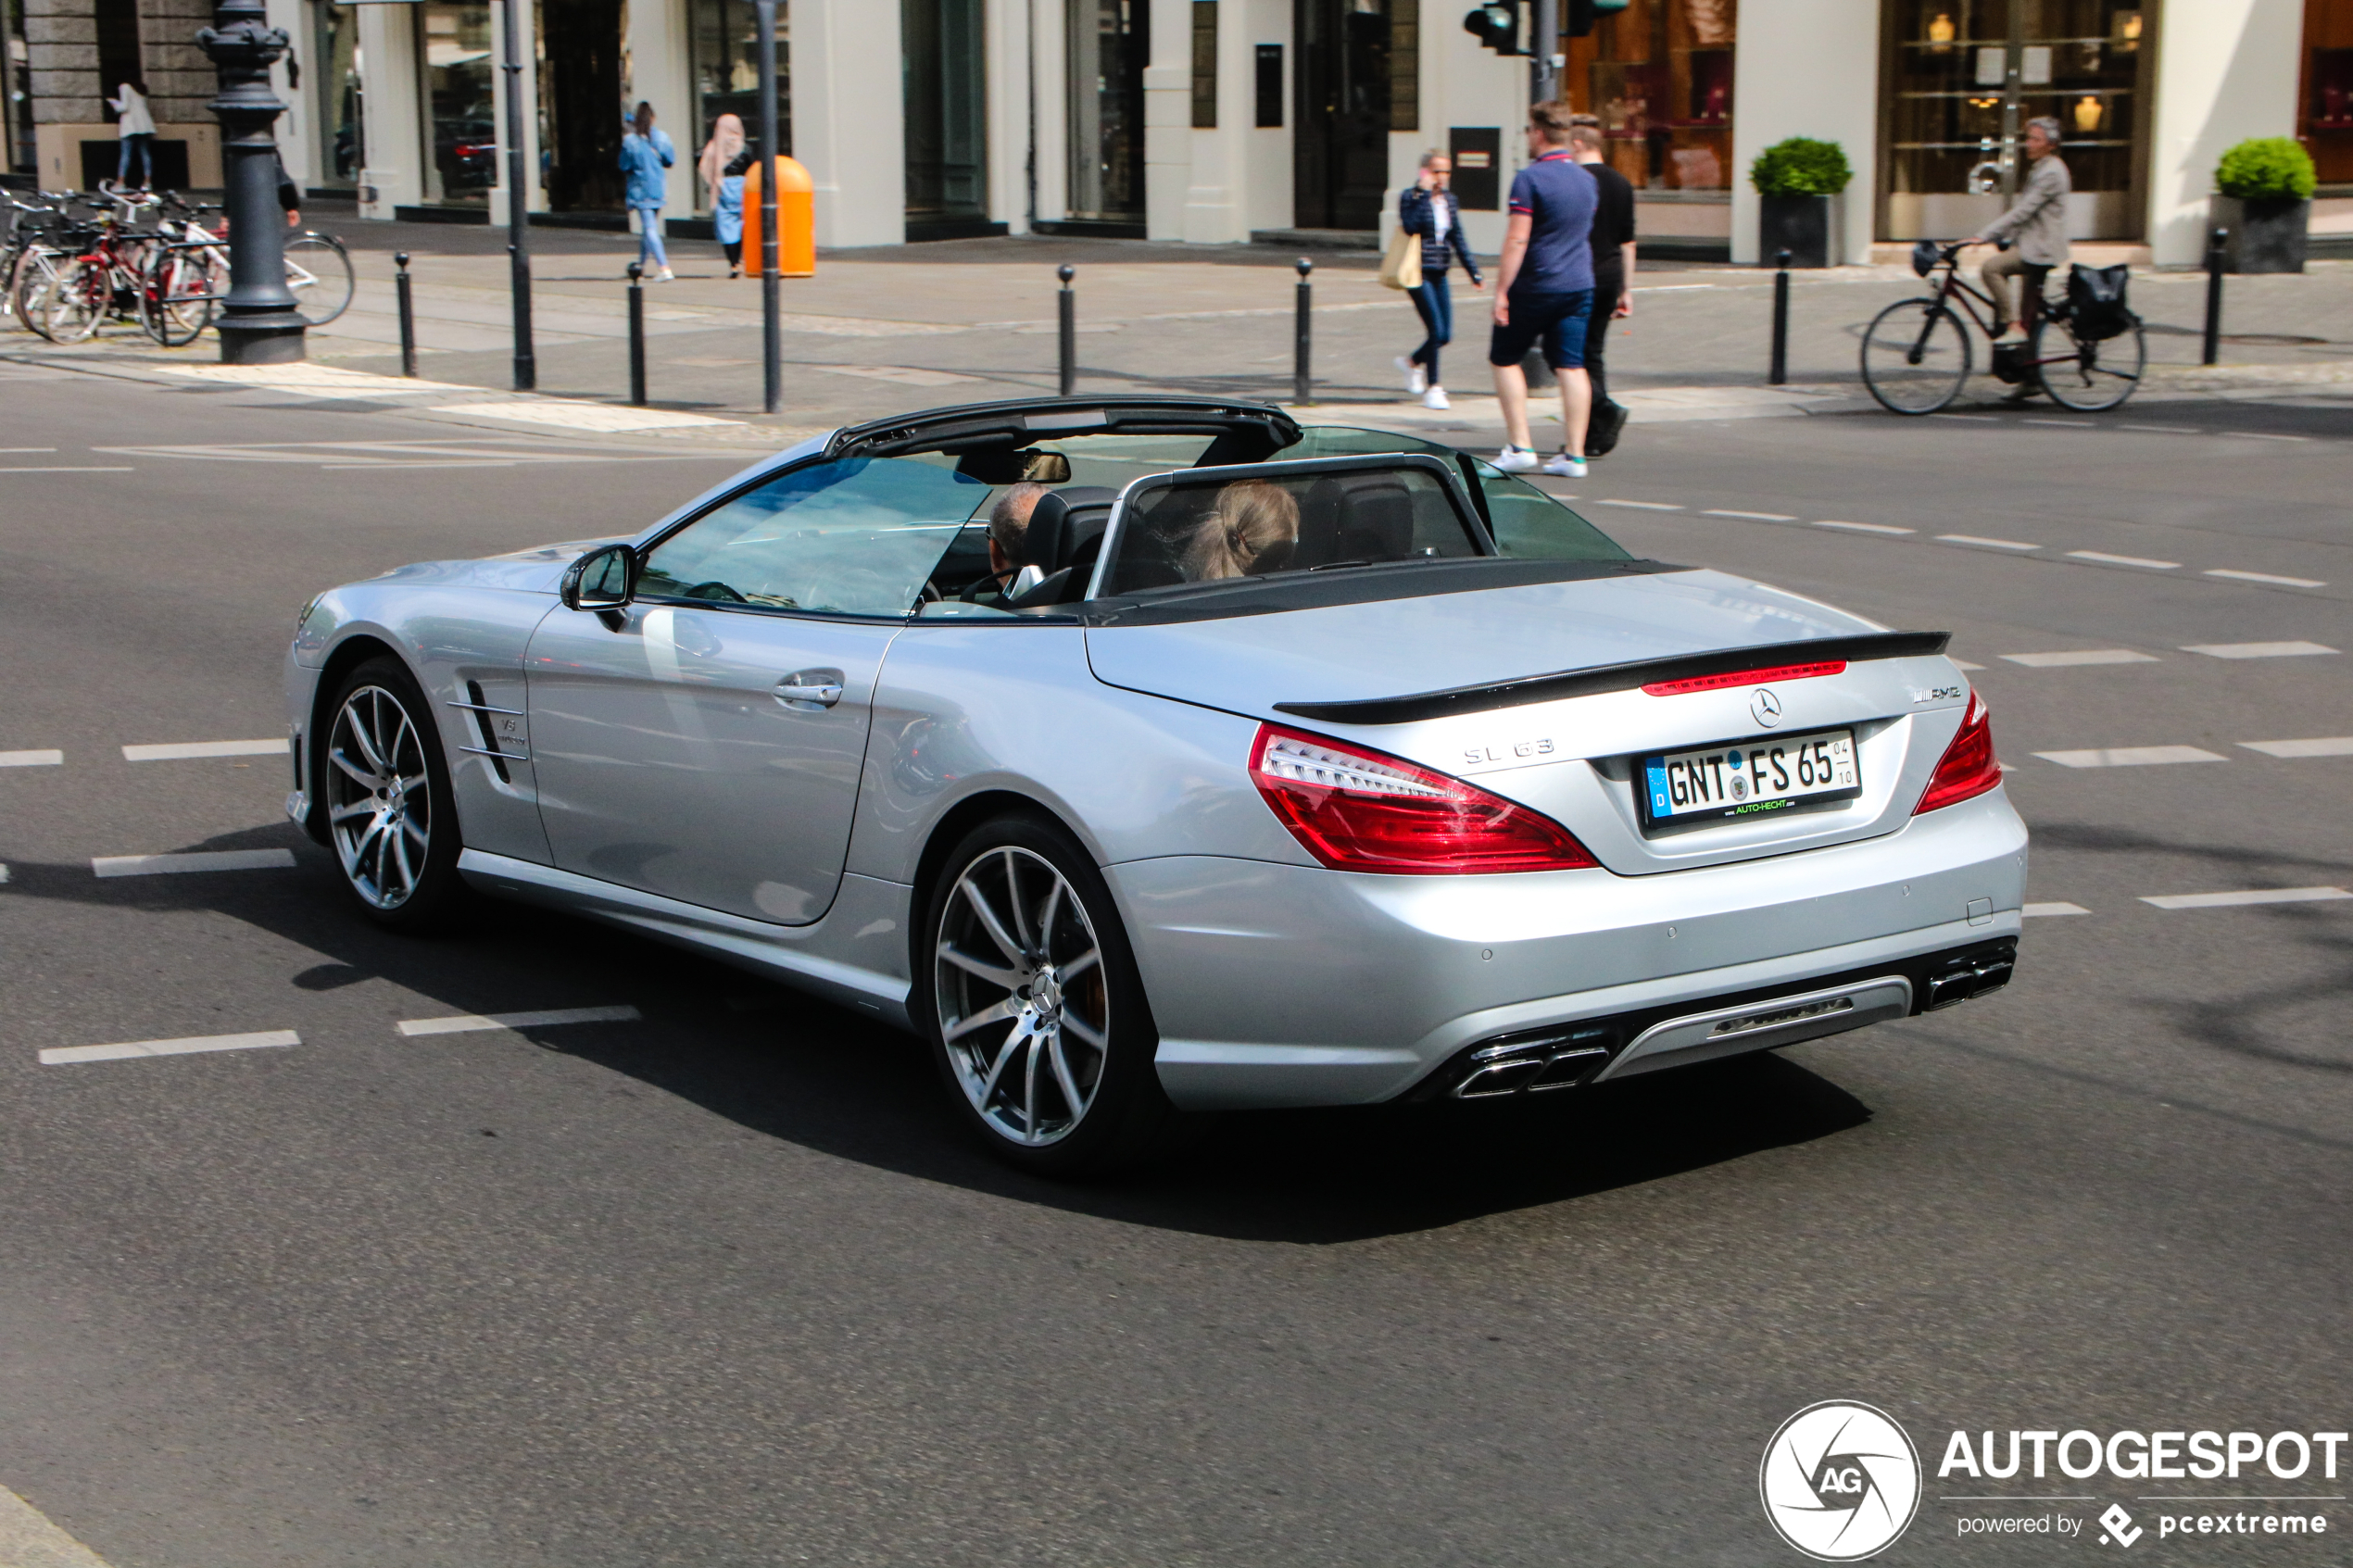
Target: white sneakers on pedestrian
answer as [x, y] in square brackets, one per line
[1416, 379]
[1435, 398]
[1562, 466]
[665, 276]
[1517, 460]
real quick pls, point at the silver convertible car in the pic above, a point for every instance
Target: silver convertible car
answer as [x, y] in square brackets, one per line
[1285, 766]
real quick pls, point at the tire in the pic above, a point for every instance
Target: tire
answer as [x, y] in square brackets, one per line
[325, 293]
[1008, 998]
[71, 305]
[1915, 355]
[381, 758]
[176, 295]
[2088, 377]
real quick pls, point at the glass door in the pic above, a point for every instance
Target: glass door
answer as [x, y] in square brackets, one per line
[947, 126]
[1110, 44]
[459, 127]
[726, 36]
[334, 76]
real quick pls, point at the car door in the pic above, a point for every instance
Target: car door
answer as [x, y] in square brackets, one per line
[704, 743]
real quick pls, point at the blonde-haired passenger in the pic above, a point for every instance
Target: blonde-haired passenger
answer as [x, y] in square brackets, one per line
[1251, 529]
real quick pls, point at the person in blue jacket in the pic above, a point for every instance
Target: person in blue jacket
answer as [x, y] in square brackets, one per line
[1428, 208]
[645, 152]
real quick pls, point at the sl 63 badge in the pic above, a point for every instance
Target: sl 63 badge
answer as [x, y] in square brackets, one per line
[1517, 751]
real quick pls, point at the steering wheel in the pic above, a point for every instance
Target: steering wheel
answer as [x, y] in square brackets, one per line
[717, 592]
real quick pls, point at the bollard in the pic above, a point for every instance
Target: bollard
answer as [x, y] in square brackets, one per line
[1305, 334]
[1066, 307]
[408, 315]
[636, 336]
[2214, 248]
[1779, 373]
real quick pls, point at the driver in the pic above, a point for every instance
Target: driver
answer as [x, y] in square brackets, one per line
[1008, 532]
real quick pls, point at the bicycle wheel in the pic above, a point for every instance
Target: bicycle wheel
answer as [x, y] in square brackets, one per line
[1916, 356]
[176, 296]
[74, 302]
[30, 292]
[318, 270]
[2085, 375]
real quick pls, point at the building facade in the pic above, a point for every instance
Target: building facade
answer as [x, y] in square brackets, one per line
[1207, 121]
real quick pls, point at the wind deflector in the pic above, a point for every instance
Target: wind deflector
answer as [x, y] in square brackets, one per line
[1618, 678]
[978, 426]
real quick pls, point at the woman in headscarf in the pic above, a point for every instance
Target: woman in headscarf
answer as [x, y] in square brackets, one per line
[726, 188]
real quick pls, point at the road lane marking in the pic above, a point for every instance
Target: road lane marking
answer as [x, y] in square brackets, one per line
[2265, 577]
[2257, 650]
[2255, 896]
[470, 1022]
[1865, 527]
[195, 860]
[2168, 429]
[2130, 756]
[57, 1056]
[2080, 656]
[2260, 435]
[1644, 505]
[17, 450]
[1752, 517]
[28, 1539]
[2318, 746]
[2103, 559]
[32, 758]
[2063, 424]
[111, 468]
[181, 750]
[2041, 911]
[1974, 542]
[1965, 664]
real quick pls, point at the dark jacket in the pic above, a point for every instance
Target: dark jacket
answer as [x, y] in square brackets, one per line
[1414, 214]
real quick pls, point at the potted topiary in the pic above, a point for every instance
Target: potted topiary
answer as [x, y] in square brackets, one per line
[2266, 198]
[1797, 180]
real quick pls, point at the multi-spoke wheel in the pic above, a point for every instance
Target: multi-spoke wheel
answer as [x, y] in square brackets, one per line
[2086, 374]
[1032, 1002]
[386, 793]
[1916, 356]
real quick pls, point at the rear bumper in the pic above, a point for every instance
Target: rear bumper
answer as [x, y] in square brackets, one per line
[1290, 985]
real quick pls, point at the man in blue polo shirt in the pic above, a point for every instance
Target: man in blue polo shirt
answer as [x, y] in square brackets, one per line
[1544, 292]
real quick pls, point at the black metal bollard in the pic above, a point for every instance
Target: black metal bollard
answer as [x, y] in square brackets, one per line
[636, 336]
[408, 315]
[1778, 374]
[2215, 243]
[1304, 334]
[1067, 309]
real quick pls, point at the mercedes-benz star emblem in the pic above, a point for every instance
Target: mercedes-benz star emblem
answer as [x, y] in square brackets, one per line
[1765, 707]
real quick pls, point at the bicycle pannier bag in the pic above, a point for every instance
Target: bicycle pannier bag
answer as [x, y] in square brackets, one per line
[2095, 298]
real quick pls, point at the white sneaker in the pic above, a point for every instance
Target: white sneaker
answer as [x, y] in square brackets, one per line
[1562, 466]
[1435, 398]
[1517, 460]
[1416, 379]
[665, 276]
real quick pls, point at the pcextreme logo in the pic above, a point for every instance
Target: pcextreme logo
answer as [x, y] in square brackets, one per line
[1840, 1481]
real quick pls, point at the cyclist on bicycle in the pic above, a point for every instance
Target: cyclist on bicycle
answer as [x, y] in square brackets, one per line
[2037, 222]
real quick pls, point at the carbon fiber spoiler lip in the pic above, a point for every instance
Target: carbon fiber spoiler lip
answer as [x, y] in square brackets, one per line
[1618, 678]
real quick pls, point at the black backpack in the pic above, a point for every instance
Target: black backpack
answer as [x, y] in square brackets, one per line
[2095, 299]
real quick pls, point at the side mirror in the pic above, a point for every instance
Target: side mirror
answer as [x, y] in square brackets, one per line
[603, 579]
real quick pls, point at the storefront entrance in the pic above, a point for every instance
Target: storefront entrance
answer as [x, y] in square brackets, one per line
[1358, 67]
[581, 106]
[945, 99]
[1110, 42]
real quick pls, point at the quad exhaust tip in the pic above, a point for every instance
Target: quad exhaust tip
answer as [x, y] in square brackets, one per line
[1557, 1059]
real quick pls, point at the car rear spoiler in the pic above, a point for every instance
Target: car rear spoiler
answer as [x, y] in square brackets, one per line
[1619, 678]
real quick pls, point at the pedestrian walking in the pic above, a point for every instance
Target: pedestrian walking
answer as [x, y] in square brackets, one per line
[1428, 207]
[726, 187]
[1612, 242]
[1544, 293]
[645, 152]
[136, 126]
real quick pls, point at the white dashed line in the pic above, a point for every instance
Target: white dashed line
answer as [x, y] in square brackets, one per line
[471, 1022]
[2257, 650]
[2260, 435]
[2103, 559]
[32, 758]
[1973, 419]
[31, 1541]
[2063, 424]
[199, 861]
[1975, 542]
[2319, 745]
[2256, 895]
[181, 750]
[2040, 911]
[2130, 756]
[59, 1055]
[1751, 517]
[2166, 430]
[2082, 655]
[109, 469]
[2265, 577]
[13, 451]
[1644, 505]
[1965, 664]
[1865, 527]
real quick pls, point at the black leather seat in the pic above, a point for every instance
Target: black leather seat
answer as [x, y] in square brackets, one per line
[1066, 526]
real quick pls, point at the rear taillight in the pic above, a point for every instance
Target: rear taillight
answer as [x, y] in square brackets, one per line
[1360, 810]
[1968, 768]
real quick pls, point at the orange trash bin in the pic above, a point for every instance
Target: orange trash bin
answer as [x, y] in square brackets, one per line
[796, 221]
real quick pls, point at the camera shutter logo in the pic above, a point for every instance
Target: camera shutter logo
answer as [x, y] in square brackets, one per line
[1840, 1481]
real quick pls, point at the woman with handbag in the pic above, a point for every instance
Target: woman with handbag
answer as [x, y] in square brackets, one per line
[1429, 234]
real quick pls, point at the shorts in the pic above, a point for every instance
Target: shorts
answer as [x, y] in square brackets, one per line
[1558, 318]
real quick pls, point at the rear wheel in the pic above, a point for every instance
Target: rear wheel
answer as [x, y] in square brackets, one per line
[384, 786]
[177, 294]
[319, 271]
[2084, 375]
[1916, 356]
[72, 304]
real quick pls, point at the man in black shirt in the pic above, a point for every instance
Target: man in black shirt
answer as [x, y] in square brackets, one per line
[1613, 242]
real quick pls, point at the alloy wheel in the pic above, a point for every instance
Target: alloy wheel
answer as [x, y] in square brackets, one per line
[379, 797]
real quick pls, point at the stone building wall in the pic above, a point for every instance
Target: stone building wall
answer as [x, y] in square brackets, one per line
[179, 80]
[61, 38]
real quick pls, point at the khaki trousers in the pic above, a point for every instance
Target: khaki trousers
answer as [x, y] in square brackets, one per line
[2001, 272]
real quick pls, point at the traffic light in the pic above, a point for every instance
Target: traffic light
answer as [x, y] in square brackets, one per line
[1578, 21]
[1497, 25]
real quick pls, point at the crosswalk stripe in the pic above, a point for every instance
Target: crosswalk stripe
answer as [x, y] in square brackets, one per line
[2259, 650]
[125, 1050]
[2318, 746]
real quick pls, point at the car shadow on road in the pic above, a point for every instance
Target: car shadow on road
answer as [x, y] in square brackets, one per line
[791, 1068]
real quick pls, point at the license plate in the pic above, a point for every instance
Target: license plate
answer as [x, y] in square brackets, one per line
[1750, 778]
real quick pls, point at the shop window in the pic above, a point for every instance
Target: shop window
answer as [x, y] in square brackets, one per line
[724, 40]
[2325, 106]
[1110, 42]
[1658, 75]
[945, 104]
[334, 74]
[1204, 65]
[454, 43]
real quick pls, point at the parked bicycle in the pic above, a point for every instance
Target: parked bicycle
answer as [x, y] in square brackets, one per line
[2086, 350]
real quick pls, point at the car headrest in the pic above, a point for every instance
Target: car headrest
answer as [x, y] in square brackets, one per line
[1377, 523]
[1064, 521]
[1319, 525]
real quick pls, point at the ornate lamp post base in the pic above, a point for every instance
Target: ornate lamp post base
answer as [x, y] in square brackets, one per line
[260, 321]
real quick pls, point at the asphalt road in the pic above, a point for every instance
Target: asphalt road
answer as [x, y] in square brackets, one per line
[724, 1287]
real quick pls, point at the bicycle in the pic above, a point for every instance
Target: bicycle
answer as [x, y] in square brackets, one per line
[1915, 353]
[188, 277]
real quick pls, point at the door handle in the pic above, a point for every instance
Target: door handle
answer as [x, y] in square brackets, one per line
[809, 690]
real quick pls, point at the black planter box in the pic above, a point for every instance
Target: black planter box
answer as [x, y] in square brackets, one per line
[2267, 233]
[1800, 225]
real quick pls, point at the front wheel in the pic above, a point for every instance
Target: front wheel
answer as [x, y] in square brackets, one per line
[2087, 376]
[319, 271]
[73, 302]
[176, 295]
[1916, 356]
[1030, 998]
[384, 786]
